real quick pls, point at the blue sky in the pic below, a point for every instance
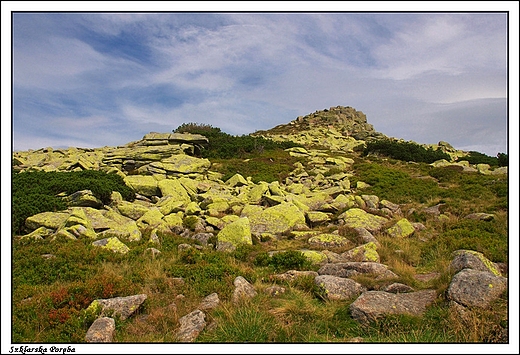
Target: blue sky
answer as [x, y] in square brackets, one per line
[97, 79]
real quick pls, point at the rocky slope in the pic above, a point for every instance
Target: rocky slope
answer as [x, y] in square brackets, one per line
[178, 193]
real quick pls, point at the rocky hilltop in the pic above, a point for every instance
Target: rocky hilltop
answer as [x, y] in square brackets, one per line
[338, 128]
[177, 192]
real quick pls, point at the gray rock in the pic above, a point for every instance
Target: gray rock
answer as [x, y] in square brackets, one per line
[480, 216]
[372, 305]
[338, 288]
[122, 307]
[398, 288]
[475, 288]
[293, 275]
[469, 259]
[191, 326]
[275, 290]
[84, 198]
[209, 302]
[366, 236]
[350, 269]
[243, 290]
[101, 331]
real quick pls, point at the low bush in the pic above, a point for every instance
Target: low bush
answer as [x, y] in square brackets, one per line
[224, 146]
[406, 151]
[35, 192]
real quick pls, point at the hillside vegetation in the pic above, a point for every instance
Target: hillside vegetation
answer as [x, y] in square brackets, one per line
[55, 278]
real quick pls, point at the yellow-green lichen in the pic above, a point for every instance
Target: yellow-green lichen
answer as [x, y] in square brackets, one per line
[488, 263]
[116, 246]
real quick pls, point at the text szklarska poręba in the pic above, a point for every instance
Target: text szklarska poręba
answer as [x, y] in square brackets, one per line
[40, 349]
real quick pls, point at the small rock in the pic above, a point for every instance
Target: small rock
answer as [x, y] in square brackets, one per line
[101, 331]
[209, 302]
[275, 290]
[191, 326]
[243, 289]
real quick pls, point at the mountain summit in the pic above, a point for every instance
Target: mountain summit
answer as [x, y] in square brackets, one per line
[337, 128]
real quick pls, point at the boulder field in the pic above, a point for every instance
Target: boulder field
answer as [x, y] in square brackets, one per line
[176, 192]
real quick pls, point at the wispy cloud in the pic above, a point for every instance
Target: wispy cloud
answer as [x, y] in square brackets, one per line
[78, 75]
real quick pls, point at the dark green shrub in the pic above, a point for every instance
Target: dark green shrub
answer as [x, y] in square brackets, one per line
[224, 146]
[406, 151]
[479, 158]
[36, 192]
[503, 159]
[283, 261]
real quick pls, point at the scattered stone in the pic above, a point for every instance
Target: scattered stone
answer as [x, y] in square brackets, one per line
[113, 244]
[122, 307]
[292, 275]
[372, 305]
[356, 217]
[275, 290]
[402, 229]
[350, 269]
[101, 331]
[365, 252]
[243, 290]
[366, 236]
[209, 302]
[480, 216]
[327, 240]
[190, 326]
[475, 288]
[398, 288]
[427, 277]
[153, 252]
[235, 233]
[434, 210]
[338, 288]
[469, 259]
[83, 198]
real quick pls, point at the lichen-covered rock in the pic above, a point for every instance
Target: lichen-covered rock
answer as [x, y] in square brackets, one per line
[144, 185]
[182, 164]
[236, 233]
[470, 259]
[372, 305]
[366, 236]
[327, 240]
[338, 288]
[83, 198]
[190, 326]
[38, 234]
[371, 201]
[315, 257]
[277, 219]
[101, 331]
[113, 244]
[174, 188]
[475, 288]
[152, 218]
[49, 220]
[123, 307]
[243, 290]
[480, 216]
[365, 252]
[356, 218]
[402, 229]
[236, 180]
[316, 218]
[350, 269]
[131, 210]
